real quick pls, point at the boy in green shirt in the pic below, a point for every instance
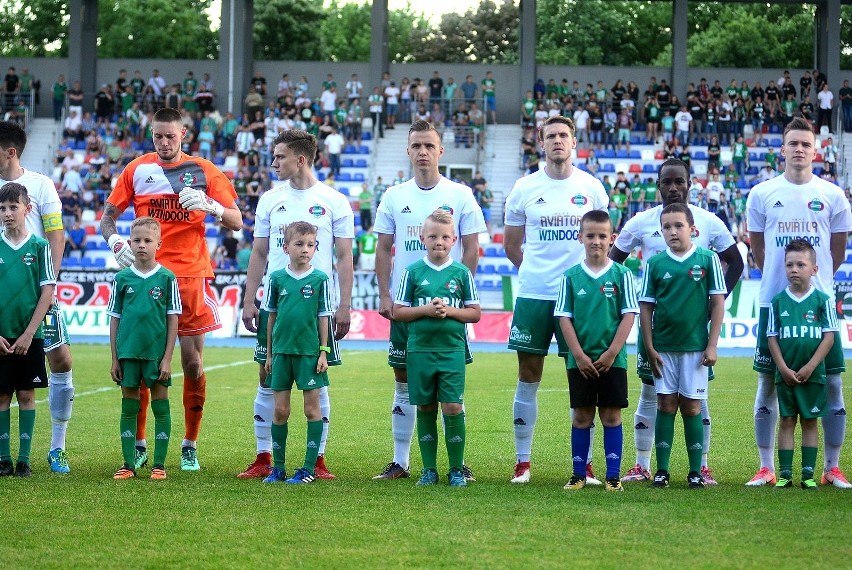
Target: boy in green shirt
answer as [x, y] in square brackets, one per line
[673, 316]
[298, 345]
[367, 243]
[802, 321]
[27, 275]
[596, 307]
[144, 307]
[437, 297]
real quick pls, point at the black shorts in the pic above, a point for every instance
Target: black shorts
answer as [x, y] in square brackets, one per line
[609, 390]
[23, 371]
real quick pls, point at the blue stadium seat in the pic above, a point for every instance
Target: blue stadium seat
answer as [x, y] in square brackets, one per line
[841, 276]
[490, 251]
[506, 270]
[818, 170]
[635, 139]
[344, 190]
[81, 145]
[487, 269]
[344, 177]
[635, 154]
[367, 136]
[621, 153]
[754, 273]
[347, 163]
[127, 216]
[99, 262]
[92, 246]
[752, 170]
[361, 163]
[350, 149]
[582, 166]
[752, 157]
[86, 262]
[608, 153]
[743, 184]
[700, 155]
[358, 177]
[849, 258]
[649, 168]
[211, 233]
[219, 160]
[321, 176]
[607, 167]
[364, 150]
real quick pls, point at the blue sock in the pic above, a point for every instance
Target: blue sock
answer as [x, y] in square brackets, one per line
[580, 442]
[613, 439]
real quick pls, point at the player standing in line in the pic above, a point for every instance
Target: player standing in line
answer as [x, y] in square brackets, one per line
[144, 306]
[544, 208]
[297, 346]
[644, 231]
[596, 308]
[399, 220]
[179, 191]
[797, 205]
[437, 297]
[680, 284]
[44, 220]
[802, 321]
[300, 199]
[26, 269]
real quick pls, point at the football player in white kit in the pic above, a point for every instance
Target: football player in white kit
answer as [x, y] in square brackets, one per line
[45, 220]
[643, 231]
[797, 204]
[300, 198]
[401, 213]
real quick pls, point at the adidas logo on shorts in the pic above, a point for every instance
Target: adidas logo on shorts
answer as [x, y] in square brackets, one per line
[128, 433]
[814, 410]
[312, 382]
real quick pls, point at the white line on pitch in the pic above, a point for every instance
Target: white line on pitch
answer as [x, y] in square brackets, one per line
[177, 375]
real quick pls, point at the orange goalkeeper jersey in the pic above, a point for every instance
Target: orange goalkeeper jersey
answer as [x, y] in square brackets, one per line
[153, 187]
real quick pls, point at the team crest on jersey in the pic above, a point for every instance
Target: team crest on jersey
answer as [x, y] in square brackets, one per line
[697, 272]
[446, 208]
[316, 210]
[188, 178]
[452, 286]
[809, 317]
[307, 291]
[579, 200]
[609, 289]
[156, 293]
[815, 205]
[28, 258]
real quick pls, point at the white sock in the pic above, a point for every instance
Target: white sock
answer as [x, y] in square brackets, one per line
[142, 443]
[403, 421]
[187, 443]
[264, 408]
[644, 422]
[705, 419]
[834, 424]
[60, 398]
[325, 410]
[525, 411]
[765, 419]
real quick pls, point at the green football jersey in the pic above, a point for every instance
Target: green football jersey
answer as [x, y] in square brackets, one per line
[739, 205]
[419, 284]
[651, 193]
[798, 324]
[24, 269]
[368, 243]
[596, 303]
[680, 288]
[141, 302]
[299, 301]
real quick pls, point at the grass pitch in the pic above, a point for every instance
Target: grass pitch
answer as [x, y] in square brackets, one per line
[211, 519]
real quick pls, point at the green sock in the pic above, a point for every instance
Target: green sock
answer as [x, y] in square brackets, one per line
[312, 448]
[5, 436]
[127, 429]
[26, 421]
[454, 436]
[663, 437]
[809, 455]
[162, 430]
[785, 463]
[279, 444]
[427, 438]
[693, 430]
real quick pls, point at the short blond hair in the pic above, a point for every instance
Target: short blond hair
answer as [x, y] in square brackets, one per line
[146, 221]
[440, 216]
[299, 229]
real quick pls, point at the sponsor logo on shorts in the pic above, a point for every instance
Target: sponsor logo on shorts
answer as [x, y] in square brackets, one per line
[519, 335]
[701, 390]
[28, 258]
[4, 436]
[396, 352]
[761, 358]
[275, 445]
[25, 435]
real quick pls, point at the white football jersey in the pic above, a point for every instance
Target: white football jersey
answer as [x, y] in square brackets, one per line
[46, 214]
[320, 205]
[784, 211]
[550, 211]
[406, 206]
[644, 230]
